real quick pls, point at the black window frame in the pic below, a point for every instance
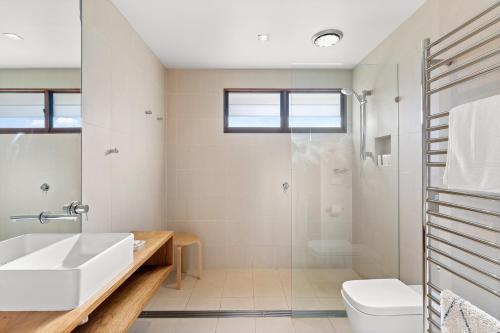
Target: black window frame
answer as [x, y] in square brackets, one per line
[285, 111]
[48, 111]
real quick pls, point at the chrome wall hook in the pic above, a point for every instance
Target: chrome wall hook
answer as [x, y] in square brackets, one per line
[111, 151]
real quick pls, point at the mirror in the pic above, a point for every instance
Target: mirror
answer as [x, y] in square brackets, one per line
[40, 116]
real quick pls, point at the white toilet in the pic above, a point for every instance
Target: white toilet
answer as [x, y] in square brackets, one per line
[383, 306]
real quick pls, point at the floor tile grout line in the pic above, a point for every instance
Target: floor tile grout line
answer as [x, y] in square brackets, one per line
[333, 326]
[190, 294]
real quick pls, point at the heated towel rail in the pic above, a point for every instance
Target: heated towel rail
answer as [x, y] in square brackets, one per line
[461, 229]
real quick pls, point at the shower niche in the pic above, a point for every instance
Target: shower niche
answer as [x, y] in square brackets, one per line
[383, 155]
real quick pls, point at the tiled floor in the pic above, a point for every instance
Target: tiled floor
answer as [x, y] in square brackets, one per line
[242, 325]
[255, 289]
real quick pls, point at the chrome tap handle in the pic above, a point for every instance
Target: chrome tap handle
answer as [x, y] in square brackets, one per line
[76, 208]
[82, 209]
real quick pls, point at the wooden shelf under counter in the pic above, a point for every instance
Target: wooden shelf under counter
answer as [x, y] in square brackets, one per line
[117, 305]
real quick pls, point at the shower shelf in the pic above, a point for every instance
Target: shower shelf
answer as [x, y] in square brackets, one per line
[383, 151]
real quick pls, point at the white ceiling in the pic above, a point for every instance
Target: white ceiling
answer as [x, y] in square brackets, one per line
[222, 33]
[51, 32]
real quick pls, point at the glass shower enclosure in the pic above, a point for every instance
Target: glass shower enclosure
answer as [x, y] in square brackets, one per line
[345, 219]
[285, 216]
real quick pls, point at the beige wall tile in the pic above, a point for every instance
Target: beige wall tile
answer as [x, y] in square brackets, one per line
[96, 78]
[96, 178]
[188, 81]
[235, 179]
[122, 79]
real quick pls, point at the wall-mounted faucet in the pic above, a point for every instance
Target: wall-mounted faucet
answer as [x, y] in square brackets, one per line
[45, 187]
[72, 211]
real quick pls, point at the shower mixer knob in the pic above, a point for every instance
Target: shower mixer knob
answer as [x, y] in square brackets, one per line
[76, 208]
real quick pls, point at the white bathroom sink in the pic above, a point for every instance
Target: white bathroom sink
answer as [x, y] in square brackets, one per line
[58, 272]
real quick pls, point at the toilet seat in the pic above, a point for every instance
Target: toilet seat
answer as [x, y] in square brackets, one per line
[383, 297]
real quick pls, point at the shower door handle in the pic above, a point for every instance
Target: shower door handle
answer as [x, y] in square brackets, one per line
[285, 186]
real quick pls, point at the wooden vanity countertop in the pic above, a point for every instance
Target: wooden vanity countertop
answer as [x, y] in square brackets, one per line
[150, 267]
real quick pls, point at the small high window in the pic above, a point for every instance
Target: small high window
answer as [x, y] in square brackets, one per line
[40, 110]
[284, 111]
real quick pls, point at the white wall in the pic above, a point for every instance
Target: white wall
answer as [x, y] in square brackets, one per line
[403, 47]
[51, 78]
[26, 162]
[122, 79]
[227, 187]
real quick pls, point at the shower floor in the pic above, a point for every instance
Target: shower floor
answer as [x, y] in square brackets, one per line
[254, 289]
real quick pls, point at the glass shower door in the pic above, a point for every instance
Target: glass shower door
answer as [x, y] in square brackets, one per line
[344, 208]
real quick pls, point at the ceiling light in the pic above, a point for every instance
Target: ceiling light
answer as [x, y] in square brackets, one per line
[13, 36]
[263, 37]
[327, 38]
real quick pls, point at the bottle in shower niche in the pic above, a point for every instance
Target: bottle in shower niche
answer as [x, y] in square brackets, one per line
[387, 160]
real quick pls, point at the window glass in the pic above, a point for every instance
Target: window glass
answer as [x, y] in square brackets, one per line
[22, 110]
[250, 109]
[66, 110]
[314, 110]
[284, 111]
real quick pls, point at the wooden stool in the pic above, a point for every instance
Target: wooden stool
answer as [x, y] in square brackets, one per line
[181, 240]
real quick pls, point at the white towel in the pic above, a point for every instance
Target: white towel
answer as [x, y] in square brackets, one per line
[473, 161]
[460, 316]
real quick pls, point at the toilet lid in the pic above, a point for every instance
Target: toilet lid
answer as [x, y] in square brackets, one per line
[389, 297]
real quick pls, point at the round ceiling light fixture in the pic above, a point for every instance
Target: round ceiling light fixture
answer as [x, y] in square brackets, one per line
[327, 38]
[263, 37]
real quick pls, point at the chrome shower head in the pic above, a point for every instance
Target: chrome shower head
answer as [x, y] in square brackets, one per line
[346, 91]
[349, 92]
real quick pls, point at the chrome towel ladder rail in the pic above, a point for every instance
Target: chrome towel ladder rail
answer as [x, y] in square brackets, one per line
[442, 242]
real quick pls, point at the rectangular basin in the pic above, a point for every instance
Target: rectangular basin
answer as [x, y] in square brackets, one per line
[59, 272]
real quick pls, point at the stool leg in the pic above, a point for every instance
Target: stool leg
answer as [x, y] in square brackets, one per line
[200, 260]
[179, 266]
[183, 260]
